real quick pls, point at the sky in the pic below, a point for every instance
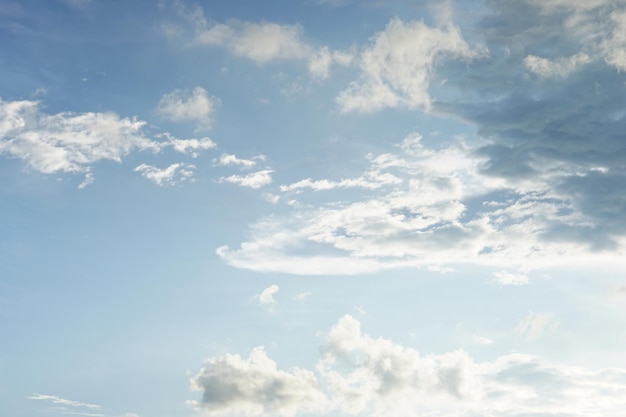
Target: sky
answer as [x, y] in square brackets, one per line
[312, 208]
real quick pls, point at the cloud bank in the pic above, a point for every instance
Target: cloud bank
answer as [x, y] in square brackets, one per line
[358, 374]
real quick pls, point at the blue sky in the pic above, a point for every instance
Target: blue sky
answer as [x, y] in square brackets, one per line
[312, 208]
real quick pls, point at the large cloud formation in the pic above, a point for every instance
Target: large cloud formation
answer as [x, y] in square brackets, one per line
[361, 375]
[543, 181]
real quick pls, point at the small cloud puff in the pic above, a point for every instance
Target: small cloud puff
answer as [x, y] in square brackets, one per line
[184, 105]
[253, 180]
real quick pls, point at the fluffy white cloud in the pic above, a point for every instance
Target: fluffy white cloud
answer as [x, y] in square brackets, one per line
[67, 142]
[195, 106]
[396, 69]
[255, 386]
[266, 297]
[253, 180]
[172, 175]
[232, 160]
[358, 374]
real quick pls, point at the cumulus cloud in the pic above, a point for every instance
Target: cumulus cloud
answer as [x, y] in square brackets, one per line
[266, 297]
[194, 106]
[255, 386]
[172, 175]
[358, 374]
[253, 180]
[67, 142]
[396, 68]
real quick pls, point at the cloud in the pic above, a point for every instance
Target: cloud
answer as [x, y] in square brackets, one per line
[396, 68]
[266, 297]
[536, 324]
[253, 180]
[172, 175]
[440, 209]
[255, 386]
[261, 43]
[510, 278]
[232, 160]
[67, 142]
[191, 146]
[62, 401]
[358, 374]
[370, 180]
[184, 105]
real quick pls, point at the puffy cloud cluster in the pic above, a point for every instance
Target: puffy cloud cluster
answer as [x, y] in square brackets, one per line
[361, 375]
[396, 68]
[70, 142]
[439, 209]
[67, 142]
[255, 386]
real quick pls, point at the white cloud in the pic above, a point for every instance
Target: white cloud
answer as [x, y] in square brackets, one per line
[172, 175]
[561, 67]
[232, 385]
[510, 278]
[195, 106]
[67, 142]
[232, 160]
[261, 43]
[358, 374]
[396, 69]
[62, 401]
[440, 209]
[536, 324]
[266, 297]
[191, 146]
[253, 180]
[370, 180]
